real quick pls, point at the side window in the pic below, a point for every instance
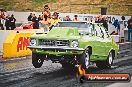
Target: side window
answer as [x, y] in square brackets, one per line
[90, 29]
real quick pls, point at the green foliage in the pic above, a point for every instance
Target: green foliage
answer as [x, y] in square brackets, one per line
[44, 1]
[120, 7]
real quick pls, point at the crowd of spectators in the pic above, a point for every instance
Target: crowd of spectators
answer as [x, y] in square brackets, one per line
[7, 21]
[35, 20]
[49, 20]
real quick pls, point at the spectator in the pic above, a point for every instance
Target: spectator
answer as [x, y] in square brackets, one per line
[90, 19]
[35, 22]
[2, 17]
[90, 25]
[67, 18]
[6, 13]
[30, 17]
[46, 13]
[54, 20]
[7, 23]
[46, 16]
[109, 20]
[105, 24]
[99, 19]
[117, 26]
[12, 22]
[75, 18]
[130, 29]
[40, 18]
[1, 24]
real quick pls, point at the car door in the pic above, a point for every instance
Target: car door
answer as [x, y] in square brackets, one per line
[108, 41]
[99, 42]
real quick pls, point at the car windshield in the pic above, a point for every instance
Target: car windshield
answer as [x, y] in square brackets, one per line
[73, 24]
[83, 27]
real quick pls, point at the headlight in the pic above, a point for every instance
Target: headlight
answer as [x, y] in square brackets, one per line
[33, 41]
[74, 44]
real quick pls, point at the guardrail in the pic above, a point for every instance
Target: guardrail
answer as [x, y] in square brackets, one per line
[15, 45]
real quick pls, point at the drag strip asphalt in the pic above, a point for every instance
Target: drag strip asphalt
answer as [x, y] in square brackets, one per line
[23, 74]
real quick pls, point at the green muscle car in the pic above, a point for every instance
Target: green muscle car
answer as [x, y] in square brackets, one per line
[74, 43]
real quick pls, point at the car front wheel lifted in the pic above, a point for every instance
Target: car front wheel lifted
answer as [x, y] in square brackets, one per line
[37, 60]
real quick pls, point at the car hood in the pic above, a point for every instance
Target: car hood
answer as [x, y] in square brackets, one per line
[61, 33]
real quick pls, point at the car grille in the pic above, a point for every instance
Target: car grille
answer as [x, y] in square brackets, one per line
[43, 42]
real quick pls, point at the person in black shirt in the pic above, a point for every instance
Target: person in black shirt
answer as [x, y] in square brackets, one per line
[129, 29]
[35, 22]
[30, 17]
[7, 23]
[12, 22]
[102, 20]
[40, 18]
[105, 24]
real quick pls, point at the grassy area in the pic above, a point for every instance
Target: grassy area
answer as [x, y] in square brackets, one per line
[115, 7]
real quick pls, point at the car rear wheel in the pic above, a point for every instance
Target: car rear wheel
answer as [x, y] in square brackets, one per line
[106, 64]
[85, 59]
[37, 60]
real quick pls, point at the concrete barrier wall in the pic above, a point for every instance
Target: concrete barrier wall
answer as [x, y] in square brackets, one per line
[13, 43]
[16, 44]
[3, 36]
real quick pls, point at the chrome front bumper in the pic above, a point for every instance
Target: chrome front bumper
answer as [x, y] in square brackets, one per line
[58, 48]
